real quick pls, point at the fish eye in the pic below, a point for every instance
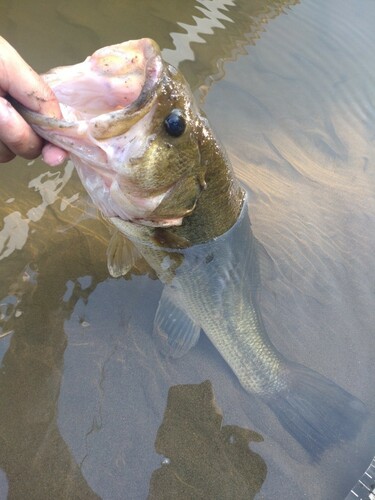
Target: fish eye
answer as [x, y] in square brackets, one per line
[175, 123]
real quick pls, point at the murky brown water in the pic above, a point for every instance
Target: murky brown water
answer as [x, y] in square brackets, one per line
[290, 89]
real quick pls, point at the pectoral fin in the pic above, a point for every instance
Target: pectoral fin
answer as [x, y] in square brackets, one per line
[174, 330]
[124, 259]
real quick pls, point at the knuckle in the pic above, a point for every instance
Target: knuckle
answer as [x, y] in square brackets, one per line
[18, 139]
[23, 142]
[16, 136]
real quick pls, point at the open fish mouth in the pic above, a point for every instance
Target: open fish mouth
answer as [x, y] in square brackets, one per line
[104, 96]
[108, 102]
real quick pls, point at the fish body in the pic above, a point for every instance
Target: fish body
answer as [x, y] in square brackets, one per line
[213, 286]
[151, 163]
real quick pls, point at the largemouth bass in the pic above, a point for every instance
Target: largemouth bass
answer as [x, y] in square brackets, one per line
[150, 162]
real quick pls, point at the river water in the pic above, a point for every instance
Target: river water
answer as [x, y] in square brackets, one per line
[88, 406]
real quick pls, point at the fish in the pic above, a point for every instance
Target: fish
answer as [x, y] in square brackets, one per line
[147, 156]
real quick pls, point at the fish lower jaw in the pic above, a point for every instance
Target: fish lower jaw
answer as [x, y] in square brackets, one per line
[159, 222]
[138, 210]
[120, 221]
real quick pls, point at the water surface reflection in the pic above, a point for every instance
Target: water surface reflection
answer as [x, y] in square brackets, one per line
[33, 454]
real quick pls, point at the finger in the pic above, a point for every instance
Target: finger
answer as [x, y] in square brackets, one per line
[5, 153]
[16, 134]
[53, 156]
[24, 84]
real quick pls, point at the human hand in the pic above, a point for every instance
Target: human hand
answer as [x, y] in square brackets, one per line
[21, 82]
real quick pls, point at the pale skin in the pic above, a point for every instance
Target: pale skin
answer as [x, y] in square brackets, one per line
[19, 80]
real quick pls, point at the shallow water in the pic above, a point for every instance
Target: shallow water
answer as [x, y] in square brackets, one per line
[289, 88]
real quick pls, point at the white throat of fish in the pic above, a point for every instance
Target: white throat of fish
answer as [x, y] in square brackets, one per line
[107, 166]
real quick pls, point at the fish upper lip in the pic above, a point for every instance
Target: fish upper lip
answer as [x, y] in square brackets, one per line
[102, 125]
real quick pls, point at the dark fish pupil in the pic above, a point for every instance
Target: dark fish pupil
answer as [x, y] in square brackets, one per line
[175, 123]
